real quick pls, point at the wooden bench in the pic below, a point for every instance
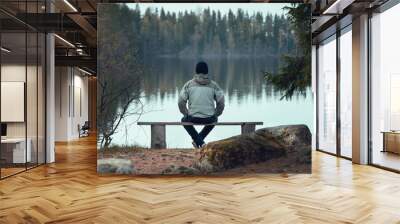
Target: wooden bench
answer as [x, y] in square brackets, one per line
[158, 130]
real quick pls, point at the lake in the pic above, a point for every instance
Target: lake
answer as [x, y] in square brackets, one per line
[247, 98]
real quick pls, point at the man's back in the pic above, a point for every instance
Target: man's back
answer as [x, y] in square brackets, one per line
[206, 102]
[202, 94]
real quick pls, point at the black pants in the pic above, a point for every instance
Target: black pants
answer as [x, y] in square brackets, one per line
[198, 138]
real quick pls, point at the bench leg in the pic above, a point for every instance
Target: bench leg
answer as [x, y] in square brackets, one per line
[248, 128]
[158, 136]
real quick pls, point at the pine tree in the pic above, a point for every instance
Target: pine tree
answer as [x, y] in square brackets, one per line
[191, 34]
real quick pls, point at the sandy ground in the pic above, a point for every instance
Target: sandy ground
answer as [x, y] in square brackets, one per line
[156, 161]
[172, 161]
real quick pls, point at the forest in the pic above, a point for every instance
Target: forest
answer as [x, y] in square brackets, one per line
[206, 33]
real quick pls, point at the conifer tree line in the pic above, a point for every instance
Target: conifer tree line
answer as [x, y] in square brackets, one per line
[207, 32]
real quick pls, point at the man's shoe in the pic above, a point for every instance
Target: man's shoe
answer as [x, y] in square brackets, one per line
[195, 145]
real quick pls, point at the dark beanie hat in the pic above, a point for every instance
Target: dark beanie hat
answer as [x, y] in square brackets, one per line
[201, 68]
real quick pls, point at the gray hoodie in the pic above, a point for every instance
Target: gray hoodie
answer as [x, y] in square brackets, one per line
[204, 97]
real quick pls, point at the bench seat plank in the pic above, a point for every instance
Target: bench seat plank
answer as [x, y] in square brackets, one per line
[189, 123]
[158, 135]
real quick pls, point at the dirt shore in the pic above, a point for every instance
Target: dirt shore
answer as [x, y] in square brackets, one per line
[182, 161]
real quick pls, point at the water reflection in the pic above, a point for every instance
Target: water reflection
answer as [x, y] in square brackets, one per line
[248, 98]
[241, 77]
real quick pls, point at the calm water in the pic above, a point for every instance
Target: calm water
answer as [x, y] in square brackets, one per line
[247, 98]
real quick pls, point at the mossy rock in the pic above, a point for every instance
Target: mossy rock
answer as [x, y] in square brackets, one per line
[260, 146]
[290, 135]
[242, 150]
[183, 170]
[113, 165]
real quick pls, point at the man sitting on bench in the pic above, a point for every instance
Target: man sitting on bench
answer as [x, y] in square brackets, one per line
[200, 94]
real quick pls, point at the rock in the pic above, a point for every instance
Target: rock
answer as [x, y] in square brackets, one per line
[291, 141]
[183, 170]
[290, 135]
[241, 150]
[296, 138]
[116, 166]
[204, 166]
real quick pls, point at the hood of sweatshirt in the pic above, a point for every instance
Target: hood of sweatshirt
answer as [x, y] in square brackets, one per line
[202, 79]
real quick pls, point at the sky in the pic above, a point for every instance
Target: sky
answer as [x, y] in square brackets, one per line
[274, 8]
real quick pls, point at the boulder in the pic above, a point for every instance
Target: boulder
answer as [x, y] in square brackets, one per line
[296, 139]
[115, 166]
[290, 136]
[181, 170]
[290, 141]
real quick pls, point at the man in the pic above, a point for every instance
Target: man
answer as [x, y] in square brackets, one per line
[200, 93]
